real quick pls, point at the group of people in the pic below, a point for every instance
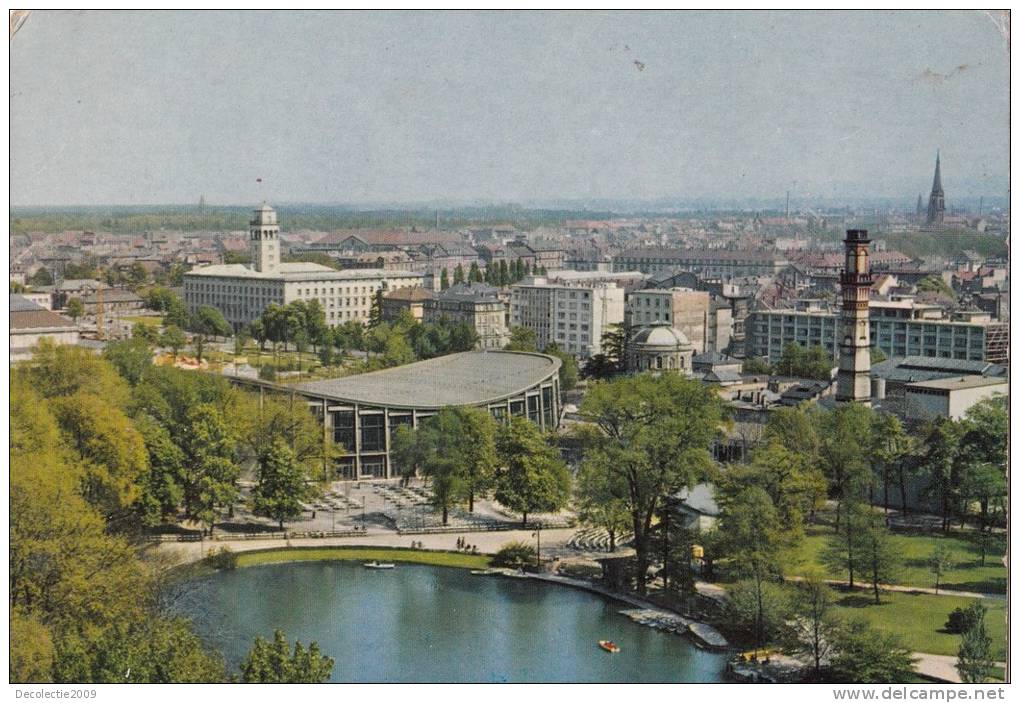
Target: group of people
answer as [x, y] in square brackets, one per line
[462, 544]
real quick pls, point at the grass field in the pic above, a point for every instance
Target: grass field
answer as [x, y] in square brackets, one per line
[913, 552]
[919, 619]
[151, 320]
[414, 556]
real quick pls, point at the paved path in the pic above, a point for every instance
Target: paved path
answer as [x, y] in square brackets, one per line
[911, 589]
[554, 542]
[940, 666]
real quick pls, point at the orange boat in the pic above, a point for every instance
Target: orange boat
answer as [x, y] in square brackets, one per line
[609, 646]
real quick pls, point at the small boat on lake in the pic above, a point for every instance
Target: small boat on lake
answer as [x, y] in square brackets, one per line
[609, 646]
[378, 565]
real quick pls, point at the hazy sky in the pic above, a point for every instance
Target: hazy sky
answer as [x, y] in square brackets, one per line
[161, 107]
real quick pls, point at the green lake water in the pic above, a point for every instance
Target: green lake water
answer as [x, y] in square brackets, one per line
[435, 624]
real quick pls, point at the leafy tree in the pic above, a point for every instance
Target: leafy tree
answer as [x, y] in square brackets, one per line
[16, 287]
[137, 275]
[131, 357]
[406, 452]
[814, 626]
[260, 426]
[757, 367]
[940, 562]
[276, 663]
[974, 660]
[458, 274]
[173, 339]
[75, 309]
[865, 655]
[755, 538]
[503, 277]
[241, 340]
[522, 339]
[942, 464]
[843, 553]
[474, 446]
[845, 440]
[474, 275]
[209, 471]
[281, 486]
[878, 558]
[601, 500]
[877, 355]
[108, 447]
[444, 280]
[935, 284]
[568, 367]
[533, 477]
[793, 483]
[209, 321]
[176, 315]
[161, 493]
[614, 344]
[64, 370]
[41, 277]
[653, 434]
[514, 555]
[599, 367]
[759, 609]
[145, 332]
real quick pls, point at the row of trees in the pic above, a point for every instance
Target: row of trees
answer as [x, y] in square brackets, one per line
[501, 274]
[466, 455]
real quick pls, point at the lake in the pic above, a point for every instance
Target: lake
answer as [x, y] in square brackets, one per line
[436, 624]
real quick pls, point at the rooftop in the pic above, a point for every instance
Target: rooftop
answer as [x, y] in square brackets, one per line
[960, 383]
[467, 378]
[301, 271]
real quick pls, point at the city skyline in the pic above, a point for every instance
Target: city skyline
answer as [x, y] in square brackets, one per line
[149, 108]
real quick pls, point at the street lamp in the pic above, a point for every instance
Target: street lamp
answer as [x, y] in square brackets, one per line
[538, 533]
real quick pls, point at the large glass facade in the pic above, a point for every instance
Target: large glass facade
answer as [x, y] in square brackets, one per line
[373, 433]
[343, 428]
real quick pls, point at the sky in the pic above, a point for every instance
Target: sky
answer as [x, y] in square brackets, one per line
[414, 107]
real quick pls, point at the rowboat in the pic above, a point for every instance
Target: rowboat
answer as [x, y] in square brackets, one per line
[377, 565]
[609, 646]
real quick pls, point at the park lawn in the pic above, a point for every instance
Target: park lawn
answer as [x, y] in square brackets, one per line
[151, 320]
[919, 618]
[414, 556]
[913, 551]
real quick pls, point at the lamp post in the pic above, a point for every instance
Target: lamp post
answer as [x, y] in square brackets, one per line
[538, 534]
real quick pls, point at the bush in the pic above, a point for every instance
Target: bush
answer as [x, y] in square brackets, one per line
[223, 560]
[514, 555]
[267, 373]
[959, 621]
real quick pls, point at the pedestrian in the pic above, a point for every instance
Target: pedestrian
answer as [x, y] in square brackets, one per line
[313, 514]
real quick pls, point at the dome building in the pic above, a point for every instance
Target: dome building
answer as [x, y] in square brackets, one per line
[660, 347]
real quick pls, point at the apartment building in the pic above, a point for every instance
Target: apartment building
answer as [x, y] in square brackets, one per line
[573, 312]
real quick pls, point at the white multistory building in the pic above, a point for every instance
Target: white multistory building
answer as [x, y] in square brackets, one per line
[242, 293]
[572, 312]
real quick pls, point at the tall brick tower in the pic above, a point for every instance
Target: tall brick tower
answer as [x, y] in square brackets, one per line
[853, 383]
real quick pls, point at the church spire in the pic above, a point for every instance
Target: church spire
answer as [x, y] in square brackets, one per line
[936, 185]
[937, 199]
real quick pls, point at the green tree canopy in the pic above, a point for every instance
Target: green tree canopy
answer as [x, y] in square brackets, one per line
[653, 434]
[533, 477]
[276, 663]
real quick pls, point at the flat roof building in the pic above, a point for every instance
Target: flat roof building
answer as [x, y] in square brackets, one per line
[362, 412]
[242, 294]
[950, 397]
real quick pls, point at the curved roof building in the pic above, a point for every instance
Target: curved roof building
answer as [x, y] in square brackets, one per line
[362, 412]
